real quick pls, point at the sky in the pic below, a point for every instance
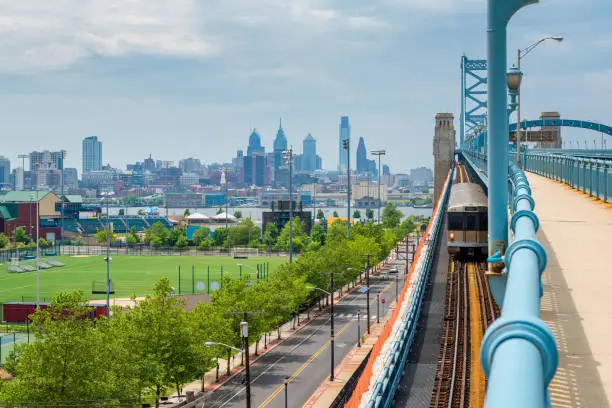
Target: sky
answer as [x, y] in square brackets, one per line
[191, 78]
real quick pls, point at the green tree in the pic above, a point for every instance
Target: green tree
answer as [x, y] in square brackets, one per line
[160, 338]
[424, 190]
[300, 238]
[101, 236]
[174, 235]
[78, 242]
[121, 212]
[335, 214]
[270, 235]
[187, 213]
[3, 240]
[370, 214]
[199, 235]
[220, 237]
[181, 242]
[238, 214]
[141, 212]
[21, 236]
[320, 215]
[70, 359]
[357, 214]
[157, 232]
[43, 243]
[391, 216]
[318, 235]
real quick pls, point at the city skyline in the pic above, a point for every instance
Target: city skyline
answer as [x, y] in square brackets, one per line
[172, 78]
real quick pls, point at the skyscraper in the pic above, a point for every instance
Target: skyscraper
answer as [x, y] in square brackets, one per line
[362, 164]
[92, 154]
[47, 160]
[280, 145]
[255, 162]
[5, 172]
[345, 133]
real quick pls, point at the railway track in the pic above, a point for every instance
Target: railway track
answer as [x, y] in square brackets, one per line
[467, 297]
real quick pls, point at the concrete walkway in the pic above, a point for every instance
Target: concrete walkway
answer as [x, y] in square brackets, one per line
[577, 303]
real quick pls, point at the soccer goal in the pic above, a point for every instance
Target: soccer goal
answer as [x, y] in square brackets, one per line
[244, 253]
[99, 288]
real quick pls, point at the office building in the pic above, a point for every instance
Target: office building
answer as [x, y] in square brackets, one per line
[92, 154]
[5, 172]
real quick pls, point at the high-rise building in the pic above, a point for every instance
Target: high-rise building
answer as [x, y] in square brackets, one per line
[280, 145]
[310, 160]
[92, 154]
[5, 172]
[345, 134]
[255, 163]
[255, 144]
[362, 164]
[47, 160]
[190, 165]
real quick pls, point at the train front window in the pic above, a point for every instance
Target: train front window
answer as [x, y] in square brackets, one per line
[483, 224]
[455, 221]
[471, 221]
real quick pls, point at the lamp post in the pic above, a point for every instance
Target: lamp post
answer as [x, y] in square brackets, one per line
[520, 54]
[288, 156]
[244, 332]
[331, 327]
[37, 247]
[346, 143]
[286, 392]
[358, 328]
[108, 258]
[229, 352]
[379, 153]
[498, 16]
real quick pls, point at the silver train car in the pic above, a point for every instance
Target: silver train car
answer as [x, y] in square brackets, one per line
[467, 221]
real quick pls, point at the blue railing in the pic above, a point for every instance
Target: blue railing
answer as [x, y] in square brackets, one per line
[519, 353]
[400, 341]
[591, 176]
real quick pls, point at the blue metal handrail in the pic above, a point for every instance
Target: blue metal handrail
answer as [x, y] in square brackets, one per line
[519, 353]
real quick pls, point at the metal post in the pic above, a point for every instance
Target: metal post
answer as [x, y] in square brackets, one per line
[358, 328]
[179, 279]
[396, 289]
[498, 15]
[518, 114]
[244, 328]
[378, 308]
[240, 271]
[291, 204]
[229, 356]
[379, 202]
[286, 392]
[37, 247]
[331, 330]
[107, 262]
[368, 292]
[348, 188]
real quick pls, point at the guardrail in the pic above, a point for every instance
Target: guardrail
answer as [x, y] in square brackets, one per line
[591, 176]
[389, 364]
[519, 353]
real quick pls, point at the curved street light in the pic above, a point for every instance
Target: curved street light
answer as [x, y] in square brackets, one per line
[331, 327]
[520, 54]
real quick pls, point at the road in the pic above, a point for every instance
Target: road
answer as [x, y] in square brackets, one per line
[305, 357]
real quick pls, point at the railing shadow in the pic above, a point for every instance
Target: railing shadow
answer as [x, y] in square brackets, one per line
[577, 382]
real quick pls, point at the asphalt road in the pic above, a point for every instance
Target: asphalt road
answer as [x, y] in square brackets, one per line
[305, 357]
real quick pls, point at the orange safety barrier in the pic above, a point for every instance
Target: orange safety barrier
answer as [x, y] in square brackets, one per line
[364, 381]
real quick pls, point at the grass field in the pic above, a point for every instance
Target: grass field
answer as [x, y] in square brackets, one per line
[129, 274]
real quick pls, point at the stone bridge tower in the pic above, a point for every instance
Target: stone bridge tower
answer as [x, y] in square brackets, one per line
[443, 151]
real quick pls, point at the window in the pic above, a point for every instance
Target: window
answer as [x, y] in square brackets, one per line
[471, 220]
[455, 221]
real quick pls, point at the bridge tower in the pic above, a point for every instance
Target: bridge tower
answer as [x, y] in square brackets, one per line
[555, 130]
[473, 96]
[443, 150]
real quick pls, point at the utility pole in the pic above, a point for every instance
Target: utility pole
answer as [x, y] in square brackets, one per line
[368, 289]
[63, 153]
[379, 153]
[244, 335]
[288, 156]
[331, 283]
[108, 260]
[346, 143]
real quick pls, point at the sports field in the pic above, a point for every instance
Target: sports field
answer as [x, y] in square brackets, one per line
[129, 274]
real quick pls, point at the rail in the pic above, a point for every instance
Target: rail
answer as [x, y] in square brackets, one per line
[519, 335]
[389, 364]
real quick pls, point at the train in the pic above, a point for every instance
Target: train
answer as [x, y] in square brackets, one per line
[467, 221]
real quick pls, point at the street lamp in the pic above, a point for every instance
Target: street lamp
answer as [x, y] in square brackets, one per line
[520, 54]
[37, 247]
[244, 332]
[287, 378]
[288, 157]
[379, 153]
[108, 258]
[229, 354]
[331, 327]
[346, 143]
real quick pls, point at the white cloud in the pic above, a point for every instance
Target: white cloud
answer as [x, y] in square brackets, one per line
[439, 6]
[39, 34]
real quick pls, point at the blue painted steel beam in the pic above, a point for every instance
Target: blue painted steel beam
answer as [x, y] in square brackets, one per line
[583, 124]
[473, 93]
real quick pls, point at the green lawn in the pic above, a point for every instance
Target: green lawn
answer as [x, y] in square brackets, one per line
[130, 275]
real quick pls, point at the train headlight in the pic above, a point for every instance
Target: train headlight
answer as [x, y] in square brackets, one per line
[451, 236]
